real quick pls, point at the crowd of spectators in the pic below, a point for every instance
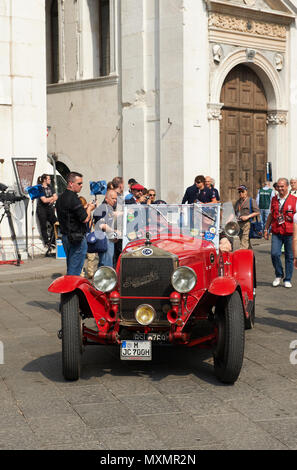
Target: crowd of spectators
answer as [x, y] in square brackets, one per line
[275, 204]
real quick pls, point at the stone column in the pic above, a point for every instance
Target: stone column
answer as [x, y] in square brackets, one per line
[214, 118]
[133, 89]
[278, 149]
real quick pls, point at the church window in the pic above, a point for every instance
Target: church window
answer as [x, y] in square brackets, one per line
[52, 41]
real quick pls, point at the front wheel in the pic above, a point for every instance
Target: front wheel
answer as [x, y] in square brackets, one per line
[72, 345]
[228, 353]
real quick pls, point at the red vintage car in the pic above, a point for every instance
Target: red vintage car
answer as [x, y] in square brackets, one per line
[172, 284]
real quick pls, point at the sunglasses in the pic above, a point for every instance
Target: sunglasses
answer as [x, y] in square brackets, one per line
[151, 194]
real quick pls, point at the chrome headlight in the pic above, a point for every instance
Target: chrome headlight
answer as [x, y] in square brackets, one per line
[105, 279]
[145, 314]
[232, 229]
[183, 279]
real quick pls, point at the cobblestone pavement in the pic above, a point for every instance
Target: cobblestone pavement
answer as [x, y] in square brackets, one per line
[174, 402]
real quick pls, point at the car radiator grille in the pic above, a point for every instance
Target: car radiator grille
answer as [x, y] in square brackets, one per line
[146, 277]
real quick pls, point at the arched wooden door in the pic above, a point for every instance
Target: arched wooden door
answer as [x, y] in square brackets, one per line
[243, 133]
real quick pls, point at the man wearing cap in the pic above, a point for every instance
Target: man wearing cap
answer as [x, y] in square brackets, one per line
[136, 190]
[244, 215]
[282, 212]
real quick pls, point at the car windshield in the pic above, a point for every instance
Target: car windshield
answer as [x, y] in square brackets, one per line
[186, 221]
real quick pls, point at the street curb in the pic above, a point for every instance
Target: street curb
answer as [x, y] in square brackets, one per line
[31, 277]
[26, 272]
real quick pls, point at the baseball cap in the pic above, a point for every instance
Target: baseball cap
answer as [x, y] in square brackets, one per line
[137, 186]
[242, 188]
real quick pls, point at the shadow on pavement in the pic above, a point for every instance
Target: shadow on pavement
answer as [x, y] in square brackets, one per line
[100, 360]
[274, 322]
[56, 275]
[45, 305]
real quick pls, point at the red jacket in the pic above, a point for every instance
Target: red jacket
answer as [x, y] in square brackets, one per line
[288, 210]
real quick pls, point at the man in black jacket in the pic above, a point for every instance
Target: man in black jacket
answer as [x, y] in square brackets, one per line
[72, 218]
[198, 192]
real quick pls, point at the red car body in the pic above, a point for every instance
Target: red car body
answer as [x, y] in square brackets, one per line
[224, 292]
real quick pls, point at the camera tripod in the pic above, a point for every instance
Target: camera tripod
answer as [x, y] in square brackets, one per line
[6, 206]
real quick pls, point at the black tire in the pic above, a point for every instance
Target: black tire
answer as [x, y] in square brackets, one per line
[228, 354]
[72, 346]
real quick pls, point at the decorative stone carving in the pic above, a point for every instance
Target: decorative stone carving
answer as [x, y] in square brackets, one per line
[277, 117]
[214, 111]
[259, 28]
[250, 55]
[278, 61]
[217, 53]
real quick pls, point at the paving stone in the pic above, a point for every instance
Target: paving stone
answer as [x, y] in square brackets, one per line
[148, 404]
[130, 386]
[231, 426]
[131, 437]
[202, 404]
[177, 387]
[102, 415]
[283, 429]
[18, 437]
[60, 430]
[178, 432]
[250, 442]
[86, 445]
[87, 394]
[46, 405]
[258, 407]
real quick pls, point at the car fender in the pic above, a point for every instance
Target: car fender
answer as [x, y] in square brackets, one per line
[66, 284]
[222, 286]
[95, 299]
[243, 270]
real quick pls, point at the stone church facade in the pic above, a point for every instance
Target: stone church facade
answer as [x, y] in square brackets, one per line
[185, 87]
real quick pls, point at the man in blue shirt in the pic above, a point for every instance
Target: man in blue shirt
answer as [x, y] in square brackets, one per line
[199, 192]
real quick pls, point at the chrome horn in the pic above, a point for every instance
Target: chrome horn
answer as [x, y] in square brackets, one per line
[232, 229]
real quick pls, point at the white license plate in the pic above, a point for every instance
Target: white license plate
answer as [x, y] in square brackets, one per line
[136, 350]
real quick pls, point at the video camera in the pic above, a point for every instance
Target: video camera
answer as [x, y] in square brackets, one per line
[9, 196]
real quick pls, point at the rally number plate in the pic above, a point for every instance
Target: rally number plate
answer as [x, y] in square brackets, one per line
[136, 350]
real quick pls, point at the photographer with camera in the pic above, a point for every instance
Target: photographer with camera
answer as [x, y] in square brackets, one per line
[46, 211]
[72, 218]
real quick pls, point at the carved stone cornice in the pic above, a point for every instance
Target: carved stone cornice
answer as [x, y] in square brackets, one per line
[277, 117]
[247, 26]
[284, 15]
[214, 111]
